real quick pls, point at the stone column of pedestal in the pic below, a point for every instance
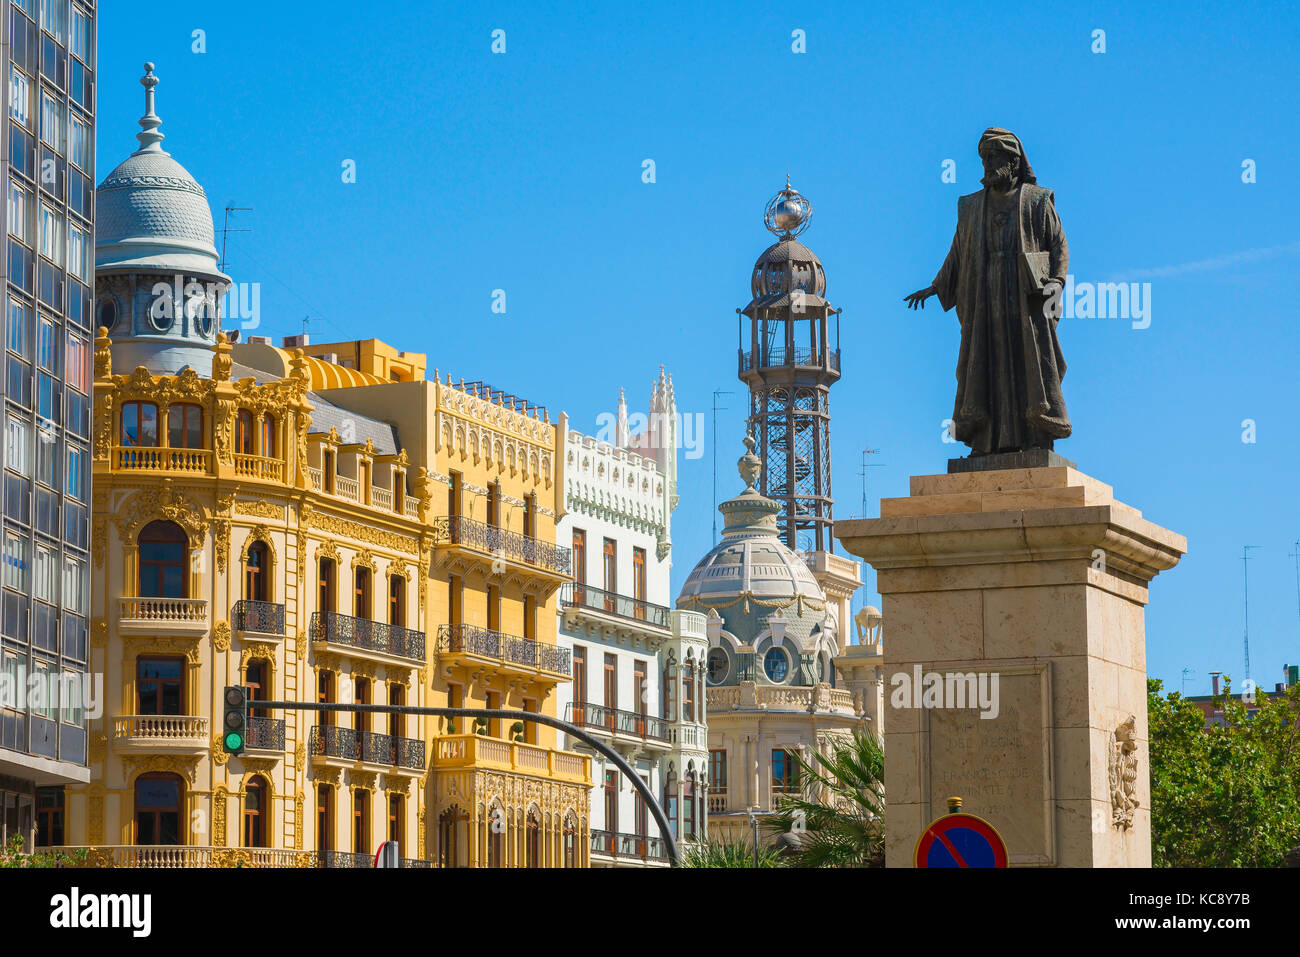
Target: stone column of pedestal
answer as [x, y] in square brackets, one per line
[1026, 587]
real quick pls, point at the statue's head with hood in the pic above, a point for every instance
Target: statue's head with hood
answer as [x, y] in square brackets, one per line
[1005, 163]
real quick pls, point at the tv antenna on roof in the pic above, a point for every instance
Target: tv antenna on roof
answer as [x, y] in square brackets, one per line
[1245, 578]
[225, 229]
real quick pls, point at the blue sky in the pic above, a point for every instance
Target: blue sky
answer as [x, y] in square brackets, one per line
[523, 172]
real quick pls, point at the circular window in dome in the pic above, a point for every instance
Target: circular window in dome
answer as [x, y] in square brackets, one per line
[777, 665]
[719, 666]
[106, 313]
[162, 312]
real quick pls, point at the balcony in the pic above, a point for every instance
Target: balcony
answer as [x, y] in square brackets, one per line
[611, 610]
[259, 467]
[147, 459]
[629, 847]
[163, 616]
[184, 856]
[487, 545]
[625, 727]
[376, 639]
[779, 357]
[466, 751]
[161, 734]
[260, 619]
[349, 489]
[717, 800]
[748, 696]
[509, 652]
[357, 859]
[329, 745]
[265, 734]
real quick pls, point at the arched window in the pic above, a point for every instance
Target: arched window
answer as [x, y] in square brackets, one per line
[185, 426]
[688, 806]
[361, 821]
[450, 828]
[163, 562]
[158, 809]
[533, 842]
[255, 812]
[139, 425]
[244, 433]
[670, 801]
[688, 691]
[776, 664]
[361, 593]
[670, 690]
[570, 842]
[257, 678]
[267, 445]
[325, 596]
[496, 837]
[719, 665]
[257, 572]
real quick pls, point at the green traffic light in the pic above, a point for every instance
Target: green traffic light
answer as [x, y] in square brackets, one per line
[234, 741]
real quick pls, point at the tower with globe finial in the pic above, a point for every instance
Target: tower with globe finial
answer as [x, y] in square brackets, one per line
[789, 359]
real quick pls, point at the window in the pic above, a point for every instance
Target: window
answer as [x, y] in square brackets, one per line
[639, 582]
[268, 444]
[396, 720]
[257, 572]
[395, 819]
[324, 817]
[254, 821]
[670, 690]
[641, 816]
[20, 96]
[78, 248]
[244, 433]
[163, 565]
[719, 666]
[361, 593]
[257, 679]
[449, 823]
[139, 424]
[776, 664]
[611, 570]
[492, 702]
[611, 802]
[530, 617]
[329, 472]
[530, 515]
[455, 596]
[54, 122]
[579, 683]
[325, 596]
[51, 238]
[16, 333]
[185, 426]
[361, 719]
[453, 494]
[496, 837]
[16, 562]
[75, 364]
[18, 445]
[74, 585]
[49, 817]
[611, 687]
[688, 806]
[570, 842]
[54, 18]
[48, 458]
[158, 809]
[20, 213]
[533, 841]
[640, 692]
[688, 691]
[579, 566]
[45, 345]
[494, 504]
[396, 600]
[79, 38]
[325, 695]
[361, 821]
[72, 709]
[718, 772]
[47, 574]
[79, 141]
[785, 772]
[494, 607]
[159, 686]
[670, 802]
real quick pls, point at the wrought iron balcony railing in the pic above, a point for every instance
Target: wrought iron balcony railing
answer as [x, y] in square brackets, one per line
[265, 734]
[263, 617]
[616, 721]
[335, 742]
[781, 357]
[575, 594]
[615, 844]
[475, 640]
[368, 635]
[345, 859]
[458, 530]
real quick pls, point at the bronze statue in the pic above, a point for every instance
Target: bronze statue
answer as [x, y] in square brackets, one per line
[1004, 273]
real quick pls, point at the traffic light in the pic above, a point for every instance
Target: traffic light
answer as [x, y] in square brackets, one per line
[234, 733]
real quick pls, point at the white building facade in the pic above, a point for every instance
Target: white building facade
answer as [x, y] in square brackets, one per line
[638, 665]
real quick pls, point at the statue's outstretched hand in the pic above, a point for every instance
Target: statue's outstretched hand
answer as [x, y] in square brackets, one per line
[918, 298]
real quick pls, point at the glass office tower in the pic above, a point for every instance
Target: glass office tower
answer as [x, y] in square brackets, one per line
[49, 181]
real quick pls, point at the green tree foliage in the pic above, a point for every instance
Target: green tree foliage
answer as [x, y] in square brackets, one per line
[1226, 796]
[12, 856]
[726, 853]
[838, 818]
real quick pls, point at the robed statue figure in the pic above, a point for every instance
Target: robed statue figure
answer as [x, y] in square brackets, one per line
[1004, 273]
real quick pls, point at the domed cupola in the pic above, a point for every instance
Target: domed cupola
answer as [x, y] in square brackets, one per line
[787, 265]
[765, 594]
[157, 281]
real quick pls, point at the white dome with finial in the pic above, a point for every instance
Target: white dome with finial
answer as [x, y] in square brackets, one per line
[150, 213]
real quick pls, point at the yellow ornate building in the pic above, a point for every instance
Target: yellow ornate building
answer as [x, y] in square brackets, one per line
[257, 520]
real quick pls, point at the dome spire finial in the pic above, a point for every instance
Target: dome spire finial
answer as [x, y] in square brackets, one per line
[149, 136]
[750, 465]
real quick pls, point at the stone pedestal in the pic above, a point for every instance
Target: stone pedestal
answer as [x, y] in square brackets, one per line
[1030, 583]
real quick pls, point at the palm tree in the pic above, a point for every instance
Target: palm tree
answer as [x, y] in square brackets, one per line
[723, 852]
[838, 818]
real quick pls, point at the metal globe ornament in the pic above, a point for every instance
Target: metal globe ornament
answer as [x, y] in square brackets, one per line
[788, 212]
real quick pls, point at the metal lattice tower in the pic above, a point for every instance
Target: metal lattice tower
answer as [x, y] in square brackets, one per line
[789, 366]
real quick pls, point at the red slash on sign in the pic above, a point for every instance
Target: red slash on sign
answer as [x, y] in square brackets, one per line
[961, 840]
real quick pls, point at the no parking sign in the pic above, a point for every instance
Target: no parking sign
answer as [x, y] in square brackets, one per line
[961, 840]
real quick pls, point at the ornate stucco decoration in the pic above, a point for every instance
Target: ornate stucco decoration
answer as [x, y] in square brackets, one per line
[221, 636]
[162, 503]
[1123, 774]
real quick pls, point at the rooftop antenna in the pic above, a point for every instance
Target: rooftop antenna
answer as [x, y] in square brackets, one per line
[1245, 578]
[307, 319]
[1186, 672]
[225, 230]
[863, 473]
[1296, 555]
[716, 409]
